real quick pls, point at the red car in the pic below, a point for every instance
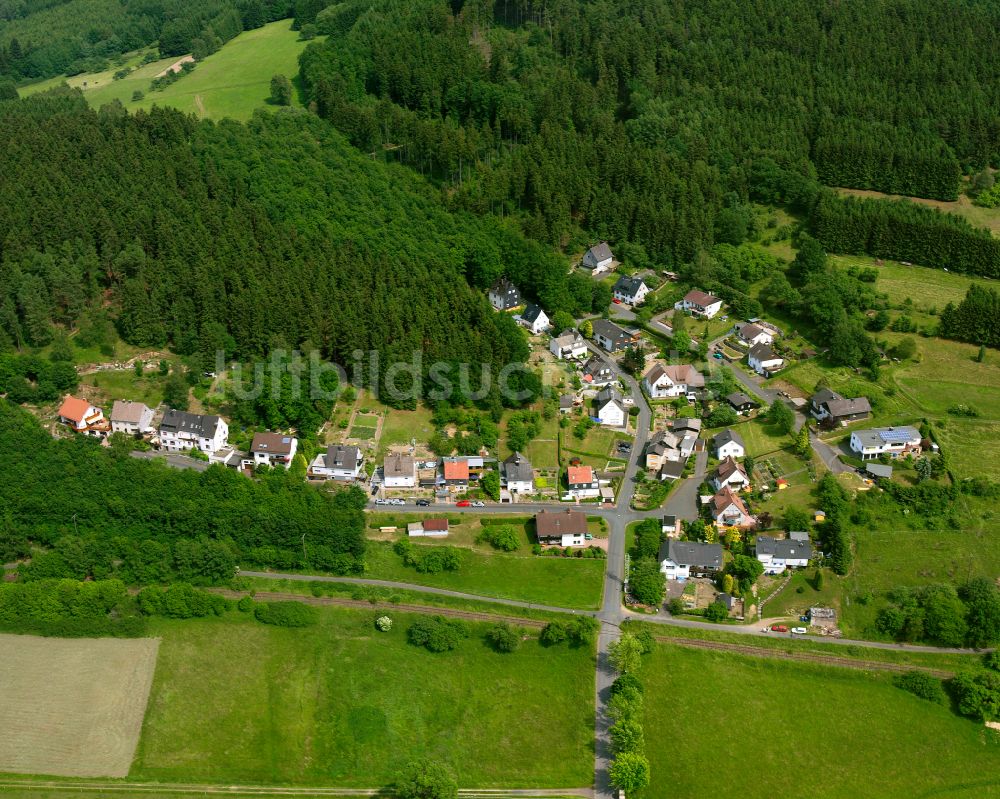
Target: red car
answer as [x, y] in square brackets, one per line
[462, 503]
[616, 301]
[779, 628]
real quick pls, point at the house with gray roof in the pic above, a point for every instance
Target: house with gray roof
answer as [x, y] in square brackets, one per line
[728, 444]
[504, 295]
[778, 554]
[630, 289]
[611, 337]
[131, 418]
[742, 402]
[518, 474]
[611, 407]
[339, 462]
[598, 258]
[894, 442]
[180, 431]
[568, 344]
[535, 319]
[680, 560]
[598, 372]
[827, 406]
[764, 360]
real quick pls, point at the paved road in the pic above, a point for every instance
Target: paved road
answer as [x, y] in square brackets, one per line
[172, 459]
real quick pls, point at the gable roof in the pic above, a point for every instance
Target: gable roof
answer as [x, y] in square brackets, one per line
[579, 475]
[272, 443]
[726, 497]
[503, 286]
[532, 312]
[609, 330]
[688, 425]
[568, 338]
[683, 373]
[629, 285]
[456, 469]
[692, 553]
[74, 408]
[128, 411]
[783, 548]
[878, 470]
[549, 524]
[518, 469]
[175, 421]
[762, 352]
[740, 398]
[436, 525]
[672, 469]
[825, 395]
[600, 252]
[848, 407]
[729, 467]
[595, 365]
[749, 331]
[341, 457]
[725, 436]
[701, 298]
[662, 440]
[877, 436]
[398, 465]
[567, 400]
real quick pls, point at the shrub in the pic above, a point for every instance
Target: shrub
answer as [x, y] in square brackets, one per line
[503, 537]
[285, 614]
[581, 631]
[245, 605]
[436, 634]
[977, 694]
[675, 606]
[716, 612]
[922, 684]
[646, 641]
[503, 638]
[383, 623]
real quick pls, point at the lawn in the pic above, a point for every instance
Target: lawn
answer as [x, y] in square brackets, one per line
[233, 82]
[400, 427]
[927, 288]
[762, 438]
[234, 701]
[816, 731]
[125, 384]
[362, 432]
[561, 582]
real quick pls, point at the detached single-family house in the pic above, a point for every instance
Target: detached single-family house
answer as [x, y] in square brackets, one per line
[131, 418]
[518, 475]
[598, 372]
[568, 344]
[582, 482]
[728, 444]
[535, 319]
[180, 431]
[778, 554]
[339, 462]
[612, 338]
[564, 528]
[598, 258]
[730, 473]
[741, 402]
[83, 417]
[455, 472]
[672, 380]
[504, 295]
[631, 290]
[763, 360]
[892, 441]
[567, 402]
[611, 408]
[700, 304]
[399, 471]
[429, 528]
[750, 334]
[680, 560]
[829, 407]
[672, 470]
[662, 446]
[273, 449]
[728, 510]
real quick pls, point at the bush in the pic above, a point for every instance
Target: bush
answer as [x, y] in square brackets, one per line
[285, 614]
[383, 623]
[428, 560]
[922, 684]
[503, 638]
[716, 612]
[627, 736]
[646, 641]
[578, 632]
[675, 606]
[977, 694]
[436, 634]
[245, 605]
[503, 537]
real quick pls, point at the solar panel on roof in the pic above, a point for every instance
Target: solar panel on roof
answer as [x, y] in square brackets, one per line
[895, 436]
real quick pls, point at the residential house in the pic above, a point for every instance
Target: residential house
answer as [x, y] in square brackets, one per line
[612, 338]
[631, 290]
[273, 449]
[672, 380]
[680, 560]
[582, 482]
[728, 444]
[686, 426]
[598, 258]
[83, 417]
[598, 372]
[399, 471]
[131, 418]
[518, 474]
[700, 304]
[750, 334]
[778, 554]
[662, 446]
[564, 528]
[730, 473]
[670, 526]
[429, 528]
[535, 319]
[339, 462]
[728, 510]
[672, 470]
[567, 402]
[180, 431]
[504, 295]
[829, 407]
[455, 472]
[892, 441]
[569, 344]
[764, 360]
[742, 403]
[611, 408]
[799, 535]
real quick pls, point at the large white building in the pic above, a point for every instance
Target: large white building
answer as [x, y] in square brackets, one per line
[273, 449]
[131, 418]
[180, 431]
[611, 408]
[399, 471]
[891, 441]
[672, 380]
[339, 462]
[680, 560]
[569, 344]
[700, 304]
[778, 554]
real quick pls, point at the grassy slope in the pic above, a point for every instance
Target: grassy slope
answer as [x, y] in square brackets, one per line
[341, 704]
[233, 82]
[978, 217]
[816, 731]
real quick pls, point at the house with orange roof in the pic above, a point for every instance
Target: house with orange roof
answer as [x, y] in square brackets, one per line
[456, 472]
[582, 482]
[729, 510]
[83, 417]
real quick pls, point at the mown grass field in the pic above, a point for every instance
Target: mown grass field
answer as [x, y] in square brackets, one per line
[815, 731]
[561, 582]
[233, 82]
[340, 703]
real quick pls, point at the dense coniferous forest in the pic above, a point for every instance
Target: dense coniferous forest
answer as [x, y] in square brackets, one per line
[634, 120]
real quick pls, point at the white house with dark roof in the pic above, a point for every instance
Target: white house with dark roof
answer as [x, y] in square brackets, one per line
[535, 319]
[611, 337]
[565, 528]
[131, 418]
[504, 295]
[741, 402]
[826, 405]
[700, 304]
[728, 444]
[750, 334]
[518, 474]
[680, 560]
[631, 290]
[273, 449]
[730, 473]
[672, 380]
[892, 441]
[611, 408]
[778, 554]
[399, 471]
[598, 258]
[598, 372]
[180, 431]
[764, 360]
[568, 344]
[339, 462]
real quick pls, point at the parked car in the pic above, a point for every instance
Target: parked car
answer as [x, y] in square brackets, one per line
[691, 397]
[423, 503]
[479, 504]
[462, 503]
[779, 628]
[803, 618]
[799, 630]
[616, 301]
[717, 355]
[374, 490]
